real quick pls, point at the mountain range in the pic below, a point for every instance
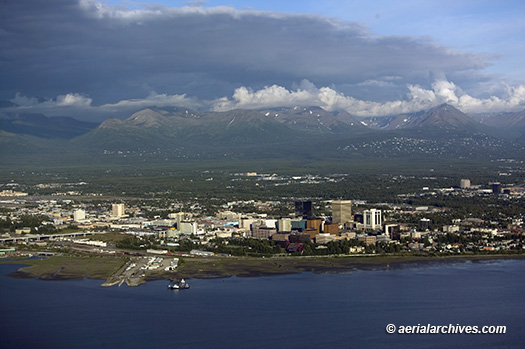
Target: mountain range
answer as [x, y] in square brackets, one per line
[512, 123]
[444, 116]
[174, 133]
[39, 125]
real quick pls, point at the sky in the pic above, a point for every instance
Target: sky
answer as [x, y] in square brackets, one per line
[109, 58]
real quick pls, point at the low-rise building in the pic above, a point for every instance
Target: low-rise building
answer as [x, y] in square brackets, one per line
[332, 229]
[367, 239]
[324, 238]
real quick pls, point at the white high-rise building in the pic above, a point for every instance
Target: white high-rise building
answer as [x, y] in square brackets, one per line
[187, 228]
[341, 211]
[372, 219]
[178, 216]
[79, 215]
[464, 183]
[245, 223]
[117, 210]
[284, 224]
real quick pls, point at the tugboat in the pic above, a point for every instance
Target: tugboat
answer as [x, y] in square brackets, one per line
[179, 285]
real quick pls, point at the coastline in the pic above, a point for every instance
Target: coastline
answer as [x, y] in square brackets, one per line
[68, 268]
[248, 267]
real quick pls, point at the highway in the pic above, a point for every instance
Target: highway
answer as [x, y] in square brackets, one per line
[37, 237]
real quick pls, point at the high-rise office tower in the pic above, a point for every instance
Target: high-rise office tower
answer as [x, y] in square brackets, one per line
[464, 183]
[372, 218]
[79, 215]
[341, 211]
[303, 209]
[496, 187]
[284, 224]
[117, 210]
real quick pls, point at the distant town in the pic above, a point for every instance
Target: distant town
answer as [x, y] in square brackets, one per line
[161, 232]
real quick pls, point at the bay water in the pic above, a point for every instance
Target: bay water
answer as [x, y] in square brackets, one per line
[348, 310]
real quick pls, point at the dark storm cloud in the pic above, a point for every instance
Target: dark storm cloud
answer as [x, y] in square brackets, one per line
[108, 55]
[60, 46]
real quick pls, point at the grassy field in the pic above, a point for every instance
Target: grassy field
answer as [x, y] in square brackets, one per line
[70, 267]
[111, 237]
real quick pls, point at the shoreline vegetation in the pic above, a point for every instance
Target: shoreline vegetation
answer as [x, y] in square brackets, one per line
[63, 267]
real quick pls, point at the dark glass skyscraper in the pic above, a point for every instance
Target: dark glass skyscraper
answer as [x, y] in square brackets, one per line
[303, 209]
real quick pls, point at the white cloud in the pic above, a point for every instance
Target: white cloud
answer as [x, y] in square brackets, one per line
[152, 11]
[67, 100]
[418, 98]
[24, 101]
[379, 83]
[80, 106]
[305, 94]
[271, 96]
[73, 99]
[154, 99]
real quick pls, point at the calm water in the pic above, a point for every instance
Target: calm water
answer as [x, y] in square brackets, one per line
[293, 311]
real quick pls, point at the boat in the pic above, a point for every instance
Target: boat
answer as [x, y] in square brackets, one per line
[179, 285]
